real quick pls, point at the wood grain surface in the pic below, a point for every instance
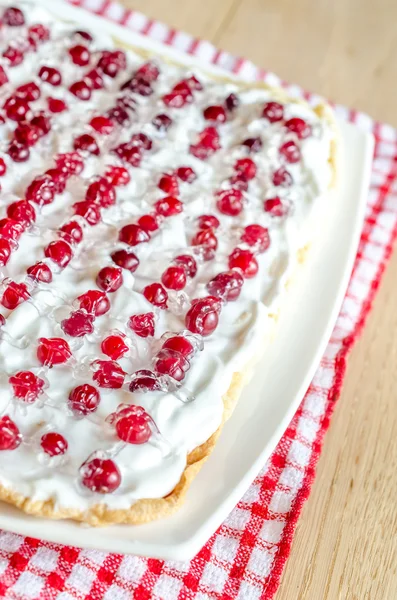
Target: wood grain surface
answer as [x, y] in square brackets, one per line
[345, 547]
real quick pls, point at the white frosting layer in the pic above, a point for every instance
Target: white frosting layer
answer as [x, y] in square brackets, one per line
[148, 471]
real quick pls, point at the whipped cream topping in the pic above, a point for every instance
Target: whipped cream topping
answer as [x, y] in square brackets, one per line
[152, 469]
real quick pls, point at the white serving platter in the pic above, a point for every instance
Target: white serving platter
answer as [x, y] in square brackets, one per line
[280, 380]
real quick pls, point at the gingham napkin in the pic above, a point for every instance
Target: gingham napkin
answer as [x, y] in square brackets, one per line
[244, 559]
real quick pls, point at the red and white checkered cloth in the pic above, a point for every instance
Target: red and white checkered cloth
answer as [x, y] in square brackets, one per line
[244, 559]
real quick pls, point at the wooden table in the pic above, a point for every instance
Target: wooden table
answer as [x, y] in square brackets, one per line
[346, 544]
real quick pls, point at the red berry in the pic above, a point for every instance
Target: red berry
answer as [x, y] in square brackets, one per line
[253, 144]
[27, 386]
[133, 235]
[50, 75]
[10, 436]
[179, 96]
[133, 425]
[299, 126]
[16, 108]
[232, 102]
[229, 202]
[14, 294]
[168, 206]
[18, 152]
[72, 232]
[273, 112]
[55, 105]
[215, 113]
[239, 182]
[142, 140]
[207, 143]
[149, 223]
[80, 55]
[290, 151]
[28, 91]
[118, 114]
[78, 324]
[108, 374]
[114, 346]
[185, 88]
[162, 122]
[27, 134]
[101, 192]
[84, 399]
[100, 475]
[208, 242]
[5, 252]
[94, 302]
[81, 90]
[194, 83]
[38, 33]
[13, 55]
[179, 344]
[117, 176]
[246, 167]
[53, 351]
[282, 177]
[203, 316]
[174, 278]
[169, 184]
[3, 76]
[208, 222]
[42, 122]
[102, 124]
[70, 162]
[13, 17]
[138, 85]
[186, 174]
[84, 34]
[188, 263]
[40, 272]
[144, 381]
[86, 143]
[129, 153]
[226, 285]
[109, 279]
[41, 190]
[149, 71]
[60, 252]
[89, 211]
[54, 443]
[156, 295]
[3, 167]
[127, 102]
[59, 178]
[171, 363]
[245, 261]
[10, 229]
[125, 260]
[142, 325]
[111, 63]
[275, 207]
[256, 236]
[94, 79]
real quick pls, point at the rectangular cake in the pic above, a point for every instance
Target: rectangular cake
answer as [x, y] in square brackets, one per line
[151, 218]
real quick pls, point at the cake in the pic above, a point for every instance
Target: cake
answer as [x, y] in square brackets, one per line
[152, 215]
